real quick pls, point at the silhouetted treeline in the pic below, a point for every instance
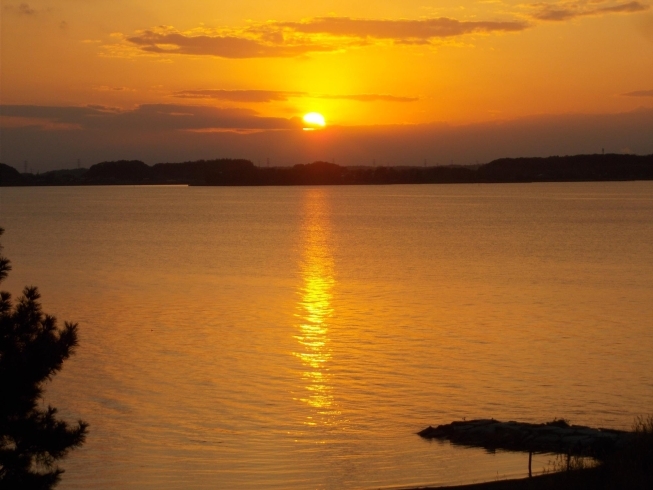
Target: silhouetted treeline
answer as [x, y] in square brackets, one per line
[568, 169]
[244, 172]
[324, 173]
[9, 176]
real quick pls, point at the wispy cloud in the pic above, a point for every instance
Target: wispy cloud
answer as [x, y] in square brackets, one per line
[295, 39]
[107, 88]
[167, 40]
[21, 9]
[276, 96]
[639, 93]
[146, 117]
[369, 98]
[25, 9]
[238, 95]
[563, 11]
[7, 122]
[399, 30]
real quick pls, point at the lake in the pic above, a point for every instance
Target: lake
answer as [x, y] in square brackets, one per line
[299, 337]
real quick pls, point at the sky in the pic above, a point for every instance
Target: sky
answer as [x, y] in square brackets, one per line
[398, 82]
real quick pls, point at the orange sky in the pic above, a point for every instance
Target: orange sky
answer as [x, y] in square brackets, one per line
[260, 65]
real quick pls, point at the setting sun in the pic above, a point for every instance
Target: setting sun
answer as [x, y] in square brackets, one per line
[314, 120]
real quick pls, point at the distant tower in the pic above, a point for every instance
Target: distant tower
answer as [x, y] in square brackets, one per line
[25, 166]
[79, 163]
[602, 151]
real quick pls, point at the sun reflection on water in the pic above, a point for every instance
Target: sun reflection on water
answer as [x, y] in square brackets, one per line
[315, 311]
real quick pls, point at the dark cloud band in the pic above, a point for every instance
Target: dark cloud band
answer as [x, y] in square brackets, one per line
[149, 117]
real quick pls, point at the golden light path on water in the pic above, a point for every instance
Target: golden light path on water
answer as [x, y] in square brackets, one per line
[314, 310]
[287, 338]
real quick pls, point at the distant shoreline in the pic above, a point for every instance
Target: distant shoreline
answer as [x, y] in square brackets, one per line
[229, 172]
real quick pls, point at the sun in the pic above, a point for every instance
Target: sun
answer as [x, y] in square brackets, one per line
[314, 120]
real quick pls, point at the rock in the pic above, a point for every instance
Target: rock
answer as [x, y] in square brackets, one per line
[552, 437]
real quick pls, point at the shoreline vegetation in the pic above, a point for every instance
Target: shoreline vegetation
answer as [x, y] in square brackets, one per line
[621, 460]
[33, 348]
[238, 172]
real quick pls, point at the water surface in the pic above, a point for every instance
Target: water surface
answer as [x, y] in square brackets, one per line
[298, 337]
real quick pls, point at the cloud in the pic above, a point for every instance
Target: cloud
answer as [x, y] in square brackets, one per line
[399, 30]
[369, 98]
[276, 96]
[639, 93]
[570, 10]
[36, 123]
[294, 39]
[144, 118]
[107, 88]
[359, 145]
[167, 40]
[21, 9]
[56, 113]
[238, 95]
[25, 9]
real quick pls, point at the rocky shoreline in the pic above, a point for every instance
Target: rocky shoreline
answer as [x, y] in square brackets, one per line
[557, 437]
[622, 460]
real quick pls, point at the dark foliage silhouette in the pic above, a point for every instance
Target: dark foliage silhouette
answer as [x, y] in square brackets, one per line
[32, 350]
[8, 175]
[226, 172]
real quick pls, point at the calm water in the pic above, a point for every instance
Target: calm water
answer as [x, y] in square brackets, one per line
[297, 338]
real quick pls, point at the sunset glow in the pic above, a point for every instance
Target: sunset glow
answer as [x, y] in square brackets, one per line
[314, 120]
[326, 245]
[314, 311]
[157, 78]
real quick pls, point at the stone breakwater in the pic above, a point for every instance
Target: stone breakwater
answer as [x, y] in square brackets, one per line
[552, 437]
